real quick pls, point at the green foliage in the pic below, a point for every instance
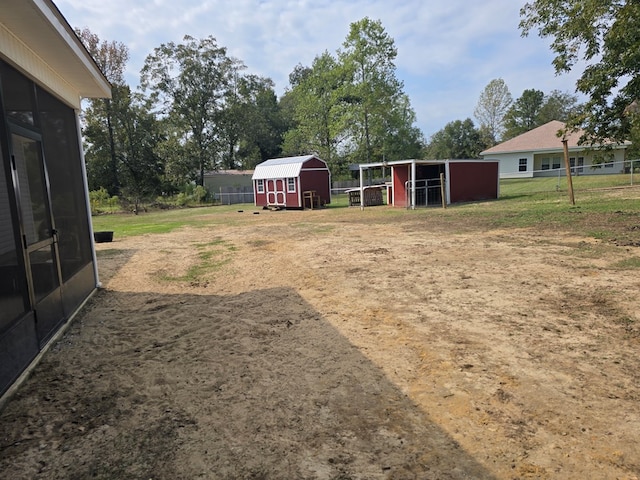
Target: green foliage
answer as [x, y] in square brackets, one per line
[378, 107]
[351, 108]
[534, 108]
[319, 112]
[458, 139]
[523, 114]
[101, 201]
[604, 35]
[190, 81]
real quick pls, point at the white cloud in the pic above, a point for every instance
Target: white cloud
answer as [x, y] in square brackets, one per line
[448, 50]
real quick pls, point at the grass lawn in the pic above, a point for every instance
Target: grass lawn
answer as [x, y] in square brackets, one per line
[607, 207]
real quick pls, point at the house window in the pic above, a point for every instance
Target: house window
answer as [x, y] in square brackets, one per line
[260, 186]
[556, 163]
[522, 165]
[545, 163]
[291, 185]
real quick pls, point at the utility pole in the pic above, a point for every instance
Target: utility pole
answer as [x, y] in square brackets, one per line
[567, 167]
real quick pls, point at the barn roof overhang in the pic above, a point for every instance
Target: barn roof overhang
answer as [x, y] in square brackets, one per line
[36, 38]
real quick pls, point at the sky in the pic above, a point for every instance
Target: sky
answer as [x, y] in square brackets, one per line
[448, 50]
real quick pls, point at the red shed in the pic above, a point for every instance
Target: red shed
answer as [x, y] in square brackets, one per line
[292, 182]
[416, 183]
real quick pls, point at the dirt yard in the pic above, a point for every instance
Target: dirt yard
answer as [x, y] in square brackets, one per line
[342, 345]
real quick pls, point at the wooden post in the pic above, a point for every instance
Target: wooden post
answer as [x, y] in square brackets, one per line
[567, 167]
[443, 191]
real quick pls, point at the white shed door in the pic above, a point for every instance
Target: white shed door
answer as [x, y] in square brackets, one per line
[276, 194]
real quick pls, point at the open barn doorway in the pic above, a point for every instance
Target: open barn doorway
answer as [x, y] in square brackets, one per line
[428, 185]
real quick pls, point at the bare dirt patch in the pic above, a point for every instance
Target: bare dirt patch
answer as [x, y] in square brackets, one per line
[319, 345]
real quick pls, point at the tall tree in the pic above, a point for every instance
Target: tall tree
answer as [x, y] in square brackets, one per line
[492, 106]
[142, 170]
[604, 35]
[319, 98]
[458, 139]
[524, 113]
[369, 54]
[260, 122]
[190, 80]
[112, 59]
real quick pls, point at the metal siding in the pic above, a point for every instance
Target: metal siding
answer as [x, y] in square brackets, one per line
[400, 176]
[473, 181]
[317, 180]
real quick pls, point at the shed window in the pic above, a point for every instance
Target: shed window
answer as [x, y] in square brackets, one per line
[522, 165]
[260, 184]
[291, 185]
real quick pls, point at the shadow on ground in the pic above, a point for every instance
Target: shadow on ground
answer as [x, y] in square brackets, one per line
[254, 386]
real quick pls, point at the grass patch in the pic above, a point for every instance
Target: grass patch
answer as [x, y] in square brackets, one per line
[212, 256]
[630, 263]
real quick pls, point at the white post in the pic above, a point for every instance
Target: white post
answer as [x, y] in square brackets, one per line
[413, 184]
[361, 187]
[86, 192]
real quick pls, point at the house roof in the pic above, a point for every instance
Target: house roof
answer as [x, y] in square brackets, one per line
[544, 137]
[35, 37]
[288, 167]
[228, 172]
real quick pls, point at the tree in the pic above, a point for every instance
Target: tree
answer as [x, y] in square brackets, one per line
[112, 59]
[190, 81]
[458, 139]
[142, 168]
[492, 106]
[320, 101]
[558, 106]
[524, 113]
[259, 120]
[604, 35]
[368, 55]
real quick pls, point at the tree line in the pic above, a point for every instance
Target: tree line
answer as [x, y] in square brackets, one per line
[600, 37]
[198, 110]
[500, 118]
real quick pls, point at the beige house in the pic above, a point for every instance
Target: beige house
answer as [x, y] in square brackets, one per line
[539, 153]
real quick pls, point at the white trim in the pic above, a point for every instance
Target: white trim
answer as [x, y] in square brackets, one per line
[37, 40]
[88, 201]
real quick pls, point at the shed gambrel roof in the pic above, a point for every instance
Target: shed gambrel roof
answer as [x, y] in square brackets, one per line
[288, 167]
[540, 139]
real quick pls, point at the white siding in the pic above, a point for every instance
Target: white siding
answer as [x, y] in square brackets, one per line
[35, 67]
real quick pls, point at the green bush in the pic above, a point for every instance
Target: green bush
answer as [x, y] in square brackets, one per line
[101, 201]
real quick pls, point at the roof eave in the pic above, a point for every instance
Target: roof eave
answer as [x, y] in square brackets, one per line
[37, 39]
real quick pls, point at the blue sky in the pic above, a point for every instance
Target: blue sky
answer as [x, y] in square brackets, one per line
[448, 50]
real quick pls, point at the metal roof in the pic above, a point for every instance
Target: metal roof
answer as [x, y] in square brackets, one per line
[288, 167]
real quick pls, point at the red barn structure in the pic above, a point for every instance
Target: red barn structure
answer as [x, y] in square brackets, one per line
[416, 183]
[292, 182]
